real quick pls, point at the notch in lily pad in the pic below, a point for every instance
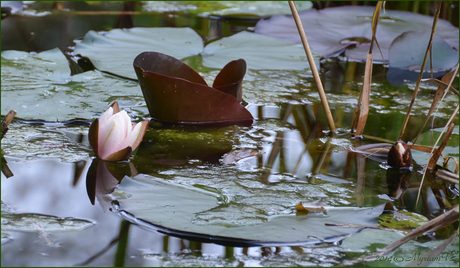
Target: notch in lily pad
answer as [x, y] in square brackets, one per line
[177, 94]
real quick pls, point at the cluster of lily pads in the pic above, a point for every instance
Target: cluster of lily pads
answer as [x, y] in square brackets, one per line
[175, 93]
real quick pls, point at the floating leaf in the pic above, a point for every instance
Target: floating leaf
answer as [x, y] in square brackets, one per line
[35, 222]
[332, 30]
[42, 88]
[259, 51]
[114, 51]
[197, 214]
[207, 8]
[176, 94]
[408, 50]
[402, 220]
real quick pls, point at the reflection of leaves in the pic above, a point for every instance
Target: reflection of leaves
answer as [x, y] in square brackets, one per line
[237, 155]
[178, 145]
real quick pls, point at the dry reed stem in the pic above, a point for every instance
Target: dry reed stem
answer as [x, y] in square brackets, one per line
[430, 256]
[6, 121]
[450, 124]
[311, 61]
[359, 122]
[434, 224]
[447, 176]
[441, 221]
[438, 96]
[428, 49]
[438, 152]
[446, 160]
[363, 105]
[441, 83]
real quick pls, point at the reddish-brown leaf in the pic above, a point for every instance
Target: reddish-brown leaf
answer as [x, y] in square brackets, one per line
[176, 94]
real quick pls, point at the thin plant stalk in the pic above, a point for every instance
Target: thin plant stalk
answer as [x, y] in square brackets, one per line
[428, 49]
[439, 222]
[6, 121]
[359, 122]
[448, 124]
[439, 94]
[314, 70]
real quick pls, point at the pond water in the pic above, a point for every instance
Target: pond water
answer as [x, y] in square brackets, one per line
[203, 196]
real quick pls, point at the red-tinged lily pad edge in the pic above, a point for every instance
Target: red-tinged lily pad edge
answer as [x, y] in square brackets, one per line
[177, 94]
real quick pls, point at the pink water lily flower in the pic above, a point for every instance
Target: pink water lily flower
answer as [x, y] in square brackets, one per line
[113, 137]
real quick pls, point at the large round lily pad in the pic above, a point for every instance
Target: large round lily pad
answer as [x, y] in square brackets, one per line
[115, 50]
[260, 52]
[408, 51]
[332, 30]
[195, 212]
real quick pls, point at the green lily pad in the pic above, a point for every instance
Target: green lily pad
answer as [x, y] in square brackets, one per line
[114, 51]
[207, 8]
[259, 51]
[402, 220]
[194, 211]
[51, 66]
[34, 222]
[42, 88]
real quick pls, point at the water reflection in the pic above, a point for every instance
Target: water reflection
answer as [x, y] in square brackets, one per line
[397, 182]
[102, 178]
[286, 144]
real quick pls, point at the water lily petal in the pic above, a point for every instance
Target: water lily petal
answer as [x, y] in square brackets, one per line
[113, 137]
[135, 137]
[113, 134]
[120, 155]
[93, 136]
[106, 115]
[127, 122]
